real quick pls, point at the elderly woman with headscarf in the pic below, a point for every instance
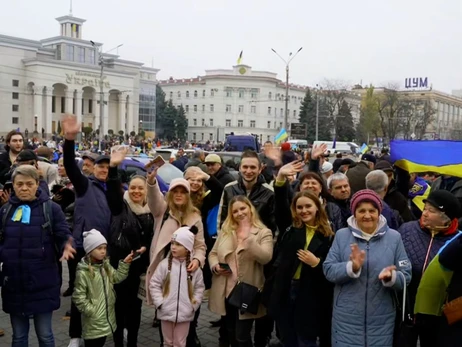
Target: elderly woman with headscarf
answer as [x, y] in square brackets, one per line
[367, 262]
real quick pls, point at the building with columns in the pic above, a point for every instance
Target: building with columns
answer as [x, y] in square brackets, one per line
[42, 80]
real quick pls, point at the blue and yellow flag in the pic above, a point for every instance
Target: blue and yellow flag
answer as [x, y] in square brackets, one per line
[443, 157]
[364, 148]
[281, 136]
[239, 60]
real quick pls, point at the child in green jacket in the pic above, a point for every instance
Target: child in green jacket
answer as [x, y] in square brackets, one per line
[94, 295]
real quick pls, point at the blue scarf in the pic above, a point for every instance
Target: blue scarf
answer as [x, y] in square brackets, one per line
[22, 214]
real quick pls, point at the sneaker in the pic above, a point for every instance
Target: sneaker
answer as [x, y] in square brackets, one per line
[68, 292]
[75, 342]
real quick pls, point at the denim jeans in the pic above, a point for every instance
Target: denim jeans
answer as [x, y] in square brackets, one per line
[43, 329]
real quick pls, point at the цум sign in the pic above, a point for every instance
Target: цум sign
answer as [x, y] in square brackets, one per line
[416, 83]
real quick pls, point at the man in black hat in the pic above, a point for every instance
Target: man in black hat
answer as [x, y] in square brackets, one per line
[357, 175]
[88, 163]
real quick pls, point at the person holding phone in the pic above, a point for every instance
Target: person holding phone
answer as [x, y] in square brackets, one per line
[131, 231]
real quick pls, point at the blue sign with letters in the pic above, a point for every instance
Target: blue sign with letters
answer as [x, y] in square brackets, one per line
[416, 82]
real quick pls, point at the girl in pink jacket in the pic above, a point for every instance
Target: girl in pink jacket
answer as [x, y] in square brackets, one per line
[176, 293]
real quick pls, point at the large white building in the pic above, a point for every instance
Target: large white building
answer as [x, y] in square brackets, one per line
[238, 100]
[42, 80]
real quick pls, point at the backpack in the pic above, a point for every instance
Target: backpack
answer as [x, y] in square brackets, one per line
[212, 218]
[47, 227]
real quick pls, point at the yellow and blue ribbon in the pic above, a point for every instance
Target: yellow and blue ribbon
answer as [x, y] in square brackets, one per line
[22, 214]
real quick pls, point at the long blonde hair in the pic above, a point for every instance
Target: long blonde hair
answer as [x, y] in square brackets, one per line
[230, 225]
[166, 284]
[107, 268]
[181, 214]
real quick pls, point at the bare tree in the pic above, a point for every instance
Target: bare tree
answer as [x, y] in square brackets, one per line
[426, 115]
[391, 105]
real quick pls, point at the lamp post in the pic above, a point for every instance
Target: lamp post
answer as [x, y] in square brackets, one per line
[287, 62]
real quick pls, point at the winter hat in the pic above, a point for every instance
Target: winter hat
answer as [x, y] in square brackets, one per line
[326, 167]
[384, 166]
[179, 182]
[92, 239]
[285, 146]
[446, 202]
[288, 157]
[185, 236]
[369, 157]
[366, 195]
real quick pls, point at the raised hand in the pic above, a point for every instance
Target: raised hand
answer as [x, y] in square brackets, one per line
[290, 169]
[357, 257]
[151, 176]
[118, 156]
[70, 127]
[318, 151]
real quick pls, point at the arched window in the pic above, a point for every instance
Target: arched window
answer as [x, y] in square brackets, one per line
[195, 93]
[187, 93]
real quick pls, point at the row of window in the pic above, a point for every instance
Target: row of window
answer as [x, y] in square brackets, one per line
[210, 137]
[241, 94]
[77, 54]
[240, 109]
[240, 123]
[63, 105]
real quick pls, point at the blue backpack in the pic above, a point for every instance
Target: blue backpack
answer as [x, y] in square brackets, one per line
[212, 221]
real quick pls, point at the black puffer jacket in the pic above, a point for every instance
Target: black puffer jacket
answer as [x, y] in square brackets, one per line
[223, 176]
[261, 196]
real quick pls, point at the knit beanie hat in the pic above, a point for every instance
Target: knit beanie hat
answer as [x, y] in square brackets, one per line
[185, 236]
[366, 195]
[92, 239]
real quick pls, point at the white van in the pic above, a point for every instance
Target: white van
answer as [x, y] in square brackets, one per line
[340, 147]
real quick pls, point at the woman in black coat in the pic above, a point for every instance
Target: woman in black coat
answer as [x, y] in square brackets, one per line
[301, 300]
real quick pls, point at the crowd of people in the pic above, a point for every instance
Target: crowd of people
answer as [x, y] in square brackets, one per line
[298, 250]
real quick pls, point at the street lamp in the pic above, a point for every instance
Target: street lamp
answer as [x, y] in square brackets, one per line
[287, 62]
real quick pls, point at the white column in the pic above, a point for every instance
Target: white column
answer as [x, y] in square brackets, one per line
[130, 105]
[48, 117]
[96, 111]
[105, 127]
[69, 101]
[38, 107]
[122, 110]
[78, 105]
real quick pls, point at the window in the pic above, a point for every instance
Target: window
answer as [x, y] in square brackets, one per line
[15, 83]
[252, 124]
[253, 94]
[81, 55]
[70, 53]
[203, 108]
[241, 94]
[253, 109]
[187, 93]
[240, 123]
[228, 108]
[268, 124]
[15, 96]
[15, 120]
[269, 111]
[195, 93]
[228, 122]
[212, 92]
[211, 136]
[90, 106]
[186, 108]
[280, 125]
[229, 93]
[211, 122]
[195, 108]
[274, 125]
[194, 136]
[179, 95]
[83, 106]
[202, 136]
[295, 113]
[92, 56]
[171, 95]
[15, 108]
[241, 108]
[63, 104]
[203, 93]
[282, 112]
[270, 96]
[211, 107]
[194, 121]
[203, 122]
[288, 112]
[53, 104]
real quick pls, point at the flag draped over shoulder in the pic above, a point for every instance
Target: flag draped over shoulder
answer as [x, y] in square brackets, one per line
[443, 157]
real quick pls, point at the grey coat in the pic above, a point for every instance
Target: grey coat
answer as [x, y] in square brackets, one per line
[364, 309]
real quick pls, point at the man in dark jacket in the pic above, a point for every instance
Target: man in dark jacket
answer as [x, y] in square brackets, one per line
[357, 175]
[215, 168]
[339, 189]
[91, 208]
[197, 160]
[14, 145]
[181, 160]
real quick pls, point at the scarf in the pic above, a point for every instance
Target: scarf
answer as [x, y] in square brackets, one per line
[136, 208]
[451, 229]
[22, 214]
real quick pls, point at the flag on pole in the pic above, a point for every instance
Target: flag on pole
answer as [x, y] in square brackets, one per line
[364, 148]
[335, 143]
[240, 58]
[74, 27]
[281, 136]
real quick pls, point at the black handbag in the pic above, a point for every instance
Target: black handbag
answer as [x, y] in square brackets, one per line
[404, 324]
[245, 297]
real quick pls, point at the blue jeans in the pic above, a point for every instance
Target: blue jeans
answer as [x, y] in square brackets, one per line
[43, 330]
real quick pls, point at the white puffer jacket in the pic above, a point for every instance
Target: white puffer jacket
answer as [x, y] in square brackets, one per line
[176, 306]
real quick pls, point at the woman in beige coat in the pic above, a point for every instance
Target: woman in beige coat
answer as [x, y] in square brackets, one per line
[245, 245]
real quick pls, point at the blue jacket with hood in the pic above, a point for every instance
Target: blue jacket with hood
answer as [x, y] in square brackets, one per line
[364, 308]
[31, 280]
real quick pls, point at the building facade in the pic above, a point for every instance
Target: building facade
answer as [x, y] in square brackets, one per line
[42, 80]
[238, 100]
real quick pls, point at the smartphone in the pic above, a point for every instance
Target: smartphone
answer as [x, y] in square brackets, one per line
[225, 266]
[8, 186]
[136, 256]
[157, 162]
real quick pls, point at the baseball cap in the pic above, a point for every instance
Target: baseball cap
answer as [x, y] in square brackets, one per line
[89, 155]
[102, 158]
[369, 157]
[26, 155]
[384, 166]
[212, 158]
[445, 202]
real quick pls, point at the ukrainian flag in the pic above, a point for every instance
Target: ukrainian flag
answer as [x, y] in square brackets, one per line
[443, 157]
[281, 136]
[364, 148]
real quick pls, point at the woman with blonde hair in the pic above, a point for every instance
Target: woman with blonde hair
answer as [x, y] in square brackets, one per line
[301, 297]
[243, 247]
